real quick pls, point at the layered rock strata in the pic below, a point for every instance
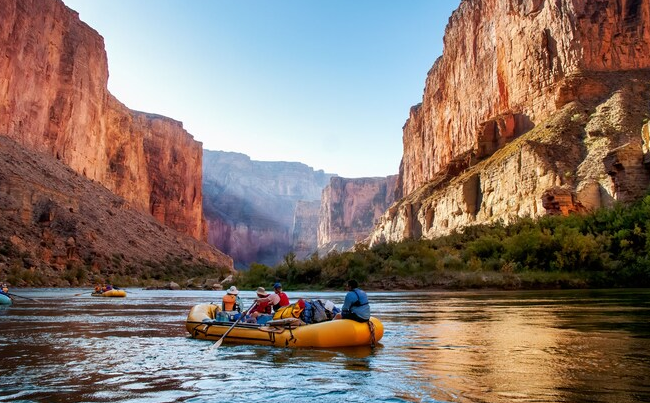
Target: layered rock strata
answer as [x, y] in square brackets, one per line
[54, 99]
[534, 108]
[587, 155]
[58, 228]
[507, 66]
[350, 209]
[250, 205]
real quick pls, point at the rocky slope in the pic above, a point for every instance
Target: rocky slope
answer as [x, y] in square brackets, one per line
[534, 107]
[250, 205]
[54, 99]
[58, 228]
[350, 209]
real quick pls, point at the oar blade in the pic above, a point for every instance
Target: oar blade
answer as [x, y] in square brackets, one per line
[216, 345]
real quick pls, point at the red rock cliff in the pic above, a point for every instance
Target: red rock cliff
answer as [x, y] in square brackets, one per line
[350, 209]
[507, 66]
[54, 99]
[534, 108]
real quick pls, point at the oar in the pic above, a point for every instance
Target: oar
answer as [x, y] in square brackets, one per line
[87, 292]
[20, 296]
[218, 343]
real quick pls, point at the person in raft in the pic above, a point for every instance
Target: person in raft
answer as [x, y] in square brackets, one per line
[356, 305]
[231, 301]
[5, 289]
[261, 313]
[276, 300]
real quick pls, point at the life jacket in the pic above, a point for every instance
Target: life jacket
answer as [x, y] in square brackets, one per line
[358, 301]
[264, 307]
[290, 311]
[284, 301]
[229, 302]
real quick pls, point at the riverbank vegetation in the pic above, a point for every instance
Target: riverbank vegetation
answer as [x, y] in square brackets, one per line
[609, 248]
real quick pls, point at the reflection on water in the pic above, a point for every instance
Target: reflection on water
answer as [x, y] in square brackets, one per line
[560, 346]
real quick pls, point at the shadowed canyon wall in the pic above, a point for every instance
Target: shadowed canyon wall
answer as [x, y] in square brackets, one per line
[58, 228]
[250, 205]
[305, 228]
[54, 99]
[535, 107]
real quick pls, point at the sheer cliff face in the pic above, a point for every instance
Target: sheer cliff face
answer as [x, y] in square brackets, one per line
[54, 99]
[535, 107]
[250, 205]
[305, 228]
[350, 208]
[504, 69]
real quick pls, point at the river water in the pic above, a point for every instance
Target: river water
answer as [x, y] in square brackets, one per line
[541, 346]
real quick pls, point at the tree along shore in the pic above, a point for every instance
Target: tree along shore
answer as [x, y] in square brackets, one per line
[609, 248]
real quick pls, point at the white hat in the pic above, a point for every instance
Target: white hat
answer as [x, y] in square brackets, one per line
[233, 290]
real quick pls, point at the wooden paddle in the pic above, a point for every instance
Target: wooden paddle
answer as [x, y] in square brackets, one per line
[20, 296]
[218, 343]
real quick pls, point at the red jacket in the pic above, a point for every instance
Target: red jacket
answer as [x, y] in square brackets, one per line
[284, 301]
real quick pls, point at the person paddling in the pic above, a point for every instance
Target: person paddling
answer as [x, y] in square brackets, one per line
[262, 311]
[278, 300]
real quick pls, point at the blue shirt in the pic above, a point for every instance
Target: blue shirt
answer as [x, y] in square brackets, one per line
[356, 301]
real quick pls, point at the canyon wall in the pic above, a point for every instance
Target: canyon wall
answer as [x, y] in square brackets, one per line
[350, 209]
[54, 99]
[305, 228]
[250, 205]
[58, 228]
[506, 67]
[534, 108]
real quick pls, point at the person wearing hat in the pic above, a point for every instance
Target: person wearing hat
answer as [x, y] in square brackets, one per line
[277, 300]
[263, 309]
[231, 301]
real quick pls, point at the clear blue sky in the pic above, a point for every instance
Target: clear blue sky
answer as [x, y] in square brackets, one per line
[328, 83]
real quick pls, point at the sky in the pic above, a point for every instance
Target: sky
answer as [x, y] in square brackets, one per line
[328, 83]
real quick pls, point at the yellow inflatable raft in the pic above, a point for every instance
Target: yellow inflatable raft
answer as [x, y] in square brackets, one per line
[110, 293]
[201, 324]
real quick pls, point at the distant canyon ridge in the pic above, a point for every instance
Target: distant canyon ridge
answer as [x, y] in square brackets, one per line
[534, 108]
[258, 212]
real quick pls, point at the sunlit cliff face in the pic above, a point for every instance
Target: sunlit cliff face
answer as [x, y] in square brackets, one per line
[54, 97]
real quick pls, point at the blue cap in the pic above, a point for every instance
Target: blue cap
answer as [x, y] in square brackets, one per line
[277, 285]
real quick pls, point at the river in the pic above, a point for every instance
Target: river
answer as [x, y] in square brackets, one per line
[492, 347]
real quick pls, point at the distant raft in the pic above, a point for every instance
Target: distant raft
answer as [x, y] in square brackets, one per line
[110, 293]
[201, 324]
[5, 300]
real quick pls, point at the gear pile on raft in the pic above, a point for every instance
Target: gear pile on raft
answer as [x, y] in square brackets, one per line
[272, 320]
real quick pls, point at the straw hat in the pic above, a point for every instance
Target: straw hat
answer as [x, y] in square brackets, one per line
[261, 292]
[233, 290]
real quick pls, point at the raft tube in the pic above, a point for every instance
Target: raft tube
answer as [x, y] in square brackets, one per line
[201, 324]
[110, 293]
[5, 300]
